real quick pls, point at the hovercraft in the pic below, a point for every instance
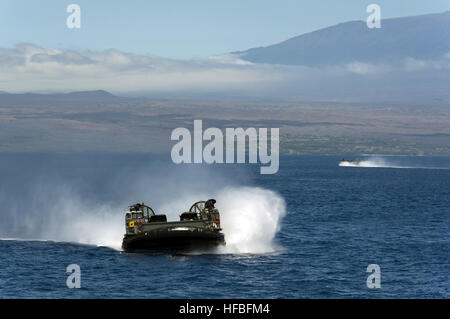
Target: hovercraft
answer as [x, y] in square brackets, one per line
[197, 228]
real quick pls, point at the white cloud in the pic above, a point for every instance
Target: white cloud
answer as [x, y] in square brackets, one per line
[30, 68]
[412, 64]
[365, 68]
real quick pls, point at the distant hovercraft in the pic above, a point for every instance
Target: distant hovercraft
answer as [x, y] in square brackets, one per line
[350, 162]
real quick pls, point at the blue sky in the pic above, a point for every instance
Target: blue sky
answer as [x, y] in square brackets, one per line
[184, 29]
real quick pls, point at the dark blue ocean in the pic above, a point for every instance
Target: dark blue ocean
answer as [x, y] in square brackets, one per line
[309, 231]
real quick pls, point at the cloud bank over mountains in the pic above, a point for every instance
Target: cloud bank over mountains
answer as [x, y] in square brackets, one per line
[419, 74]
[30, 68]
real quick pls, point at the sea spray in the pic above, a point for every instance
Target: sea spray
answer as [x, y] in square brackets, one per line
[396, 162]
[250, 218]
[67, 218]
[369, 162]
[375, 161]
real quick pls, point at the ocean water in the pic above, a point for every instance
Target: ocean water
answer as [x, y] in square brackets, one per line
[309, 231]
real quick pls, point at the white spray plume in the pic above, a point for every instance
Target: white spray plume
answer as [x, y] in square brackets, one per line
[391, 162]
[250, 218]
[370, 162]
[70, 219]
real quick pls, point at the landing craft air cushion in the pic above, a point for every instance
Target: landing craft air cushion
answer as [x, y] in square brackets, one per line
[197, 228]
[350, 162]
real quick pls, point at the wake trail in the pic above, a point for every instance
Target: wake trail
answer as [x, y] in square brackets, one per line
[384, 163]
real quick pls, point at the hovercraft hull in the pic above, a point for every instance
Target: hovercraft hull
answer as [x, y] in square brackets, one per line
[173, 239]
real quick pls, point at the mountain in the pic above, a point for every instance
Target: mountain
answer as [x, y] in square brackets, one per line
[421, 37]
[98, 94]
[77, 94]
[35, 99]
